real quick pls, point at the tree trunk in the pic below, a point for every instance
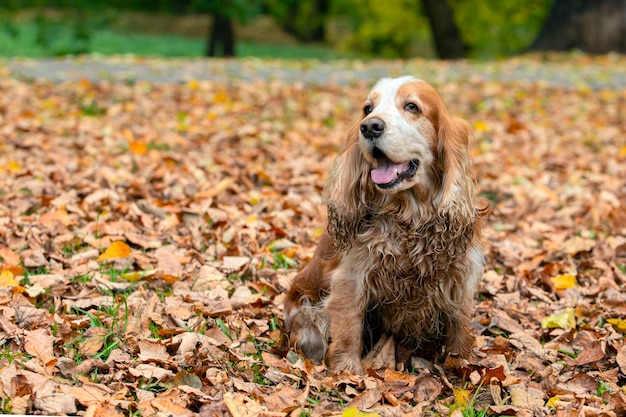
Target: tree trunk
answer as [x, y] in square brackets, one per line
[594, 26]
[306, 20]
[446, 35]
[221, 37]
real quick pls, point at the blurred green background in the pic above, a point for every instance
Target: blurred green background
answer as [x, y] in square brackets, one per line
[324, 29]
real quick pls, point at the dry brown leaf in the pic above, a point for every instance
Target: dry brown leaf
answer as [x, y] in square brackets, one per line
[9, 257]
[89, 393]
[287, 399]
[382, 355]
[150, 371]
[526, 397]
[172, 402]
[102, 410]
[242, 297]
[620, 358]
[577, 244]
[168, 263]
[152, 350]
[240, 405]
[94, 341]
[590, 354]
[366, 399]
[40, 344]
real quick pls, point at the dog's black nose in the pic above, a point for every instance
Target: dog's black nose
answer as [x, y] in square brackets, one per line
[372, 128]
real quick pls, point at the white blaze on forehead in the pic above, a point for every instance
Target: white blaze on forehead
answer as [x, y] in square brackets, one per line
[387, 89]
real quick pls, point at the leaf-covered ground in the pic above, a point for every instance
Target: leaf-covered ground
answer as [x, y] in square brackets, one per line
[148, 232]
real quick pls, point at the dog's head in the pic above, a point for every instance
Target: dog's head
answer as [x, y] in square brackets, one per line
[404, 150]
[398, 133]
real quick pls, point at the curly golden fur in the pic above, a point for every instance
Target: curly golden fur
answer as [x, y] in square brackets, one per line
[402, 251]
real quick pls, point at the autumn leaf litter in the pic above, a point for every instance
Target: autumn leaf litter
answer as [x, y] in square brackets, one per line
[148, 232]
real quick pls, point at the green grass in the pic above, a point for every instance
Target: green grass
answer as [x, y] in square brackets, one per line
[36, 38]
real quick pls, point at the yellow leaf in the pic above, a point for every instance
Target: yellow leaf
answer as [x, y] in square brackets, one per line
[255, 197]
[7, 279]
[132, 276]
[462, 397]
[220, 98]
[355, 412]
[619, 324]
[552, 401]
[137, 147]
[279, 245]
[622, 151]
[480, 126]
[290, 252]
[117, 249]
[193, 84]
[14, 269]
[565, 320]
[563, 282]
[14, 167]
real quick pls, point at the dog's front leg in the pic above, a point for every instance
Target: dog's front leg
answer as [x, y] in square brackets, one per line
[346, 307]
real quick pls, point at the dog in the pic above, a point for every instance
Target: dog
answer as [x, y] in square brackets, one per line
[401, 253]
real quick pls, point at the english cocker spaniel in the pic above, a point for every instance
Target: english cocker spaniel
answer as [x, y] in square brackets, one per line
[401, 254]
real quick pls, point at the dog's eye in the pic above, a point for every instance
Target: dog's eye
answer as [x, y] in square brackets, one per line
[367, 109]
[411, 108]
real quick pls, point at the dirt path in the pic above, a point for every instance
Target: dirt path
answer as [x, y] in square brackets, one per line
[560, 70]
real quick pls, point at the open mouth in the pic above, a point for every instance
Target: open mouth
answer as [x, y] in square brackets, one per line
[388, 174]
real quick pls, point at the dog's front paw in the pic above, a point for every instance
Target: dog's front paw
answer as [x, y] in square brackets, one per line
[339, 360]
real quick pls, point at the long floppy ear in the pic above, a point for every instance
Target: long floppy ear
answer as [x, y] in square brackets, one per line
[457, 188]
[345, 192]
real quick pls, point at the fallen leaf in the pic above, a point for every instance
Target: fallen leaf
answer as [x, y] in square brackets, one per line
[564, 320]
[355, 412]
[9, 257]
[577, 244]
[287, 399]
[168, 264]
[89, 393]
[590, 354]
[137, 147]
[563, 282]
[552, 401]
[39, 343]
[189, 379]
[462, 397]
[7, 279]
[117, 249]
[619, 324]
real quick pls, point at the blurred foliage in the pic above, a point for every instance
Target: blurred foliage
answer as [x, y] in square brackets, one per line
[304, 19]
[386, 29]
[379, 29]
[498, 28]
[489, 27]
[240, 10]
[20, 39]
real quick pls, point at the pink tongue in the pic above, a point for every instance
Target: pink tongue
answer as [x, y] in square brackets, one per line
[386, 171]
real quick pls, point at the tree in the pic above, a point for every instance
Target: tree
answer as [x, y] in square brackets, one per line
[445, 33]
[594, 26]
[304, 19]
[221, 39]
